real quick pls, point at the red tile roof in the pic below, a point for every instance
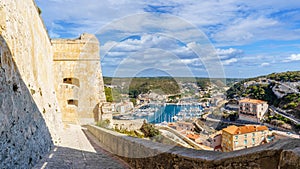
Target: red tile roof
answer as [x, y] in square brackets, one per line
[244, 129]
[254, 101]
[193, 136]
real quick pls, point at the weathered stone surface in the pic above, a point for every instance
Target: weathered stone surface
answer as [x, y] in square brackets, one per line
[29, 113]
[290, 158]
[145, 154]
[30, 49]
[24, 136]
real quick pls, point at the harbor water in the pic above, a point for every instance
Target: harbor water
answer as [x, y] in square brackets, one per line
[168, 113]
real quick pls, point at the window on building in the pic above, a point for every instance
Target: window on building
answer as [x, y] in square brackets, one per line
[236, 137]
[73, 102]
[253, 134]
[253, 140]
[236, 143]
[245, 135]
[245, 142]
[71, 80]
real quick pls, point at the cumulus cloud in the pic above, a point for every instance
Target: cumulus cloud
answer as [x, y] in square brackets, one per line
[144, 42]
[229, 53]
[229, 61]
[243, 30]
[152, 58]
[231, 20]
[229, 56]
[192, 23]
[292, 57]
[265, 64]
[153, 50]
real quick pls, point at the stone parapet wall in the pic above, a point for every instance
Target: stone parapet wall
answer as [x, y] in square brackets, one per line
[86, 47]
[141, 153]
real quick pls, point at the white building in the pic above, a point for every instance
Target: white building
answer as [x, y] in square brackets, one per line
[253, 108]
[124, 107]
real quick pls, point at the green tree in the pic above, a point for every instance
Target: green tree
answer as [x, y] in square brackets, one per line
[112, 95]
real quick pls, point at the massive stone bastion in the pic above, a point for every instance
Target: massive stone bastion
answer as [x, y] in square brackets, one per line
[39, 88]
[29, 113]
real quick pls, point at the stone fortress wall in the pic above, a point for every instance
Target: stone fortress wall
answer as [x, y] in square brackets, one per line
[29, 113]
[39, 89]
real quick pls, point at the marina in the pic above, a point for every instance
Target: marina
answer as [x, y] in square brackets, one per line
[155, 113]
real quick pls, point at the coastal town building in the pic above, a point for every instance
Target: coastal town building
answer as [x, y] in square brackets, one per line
[213, 141]
[187, 126]
[193, 137]
[253, 108]
[237, 138]
[124, 107]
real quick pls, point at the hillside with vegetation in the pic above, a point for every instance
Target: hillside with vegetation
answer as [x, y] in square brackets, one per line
[285, 76]
[117, 87]
[141, 85]
[278, 89]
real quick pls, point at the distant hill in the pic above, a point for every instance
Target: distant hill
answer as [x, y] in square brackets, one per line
[279, 89]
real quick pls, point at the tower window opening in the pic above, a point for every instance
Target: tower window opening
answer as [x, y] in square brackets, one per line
[73, 102]
[71, 80]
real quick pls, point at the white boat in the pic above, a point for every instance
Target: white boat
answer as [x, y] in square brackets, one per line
[175, 118]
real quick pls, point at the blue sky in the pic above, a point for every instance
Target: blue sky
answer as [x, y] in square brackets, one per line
[214, 38]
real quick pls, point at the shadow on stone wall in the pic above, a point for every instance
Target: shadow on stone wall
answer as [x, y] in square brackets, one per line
[24, 136]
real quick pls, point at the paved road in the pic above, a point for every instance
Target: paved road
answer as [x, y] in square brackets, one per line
[79, 150]
[286, 134]
[243, 122]
[296, 121]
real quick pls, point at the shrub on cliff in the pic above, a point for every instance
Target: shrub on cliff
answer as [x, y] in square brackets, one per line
[149, 130]
[103, 123]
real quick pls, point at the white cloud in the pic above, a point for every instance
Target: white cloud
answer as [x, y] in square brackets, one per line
[229, 53]
[146, 41]
[243, 31]
[226, 20]
[265, 64]
[293, 57]
[226, 23]
[152, 58]
[229, 61]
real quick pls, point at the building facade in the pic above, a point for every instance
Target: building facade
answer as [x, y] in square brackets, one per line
[253, 108]
[78, 78]
[237, 138]
[124, 107]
